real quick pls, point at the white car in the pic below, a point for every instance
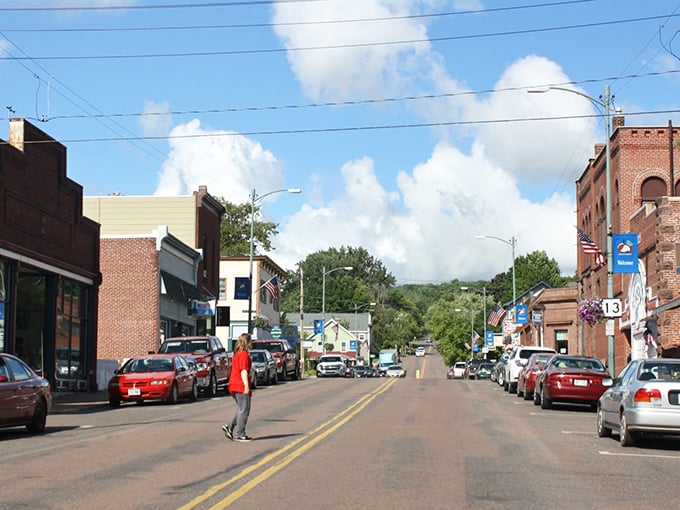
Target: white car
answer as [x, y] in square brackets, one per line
[516, 361]
[395, 371]
[331, 365]
[420, 351]
[458, 369]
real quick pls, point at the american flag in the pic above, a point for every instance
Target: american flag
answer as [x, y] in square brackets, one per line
[273, 287]
[589, 246]
[496, 315]
[475, 337]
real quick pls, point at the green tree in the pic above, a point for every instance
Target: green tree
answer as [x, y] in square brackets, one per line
[235, 230]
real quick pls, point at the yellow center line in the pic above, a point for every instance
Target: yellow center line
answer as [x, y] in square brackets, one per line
[358, 406]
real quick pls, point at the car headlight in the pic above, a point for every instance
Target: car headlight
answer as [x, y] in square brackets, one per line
[158, 382]
[607, 382]
[201, 366]
[259, 370]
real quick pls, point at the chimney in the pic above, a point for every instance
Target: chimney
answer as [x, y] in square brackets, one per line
[16, 133]
[618, 120]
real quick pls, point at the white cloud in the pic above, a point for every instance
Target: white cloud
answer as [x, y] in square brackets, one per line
[228, 163]
[155, 120]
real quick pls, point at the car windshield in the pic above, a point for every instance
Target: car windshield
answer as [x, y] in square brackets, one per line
[147, 365]
[184, 346]
[659, 371]
[271, 346]
[395, 367]
[258, 357]
[331, 359]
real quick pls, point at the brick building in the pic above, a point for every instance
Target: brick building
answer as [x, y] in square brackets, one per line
[642, 173]
[147, 284]
[49, 261]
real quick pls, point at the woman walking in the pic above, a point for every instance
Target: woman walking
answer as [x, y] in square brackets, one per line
[241, 391]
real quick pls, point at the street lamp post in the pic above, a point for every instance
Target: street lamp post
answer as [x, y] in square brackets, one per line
[472, 323]
[604, 103]
[357, 307]
[253, 200]
[323, 302]
[512, 243]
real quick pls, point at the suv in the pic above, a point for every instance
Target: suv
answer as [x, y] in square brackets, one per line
[287, 362]
[213, 363]
[331, 365]
[516, 361]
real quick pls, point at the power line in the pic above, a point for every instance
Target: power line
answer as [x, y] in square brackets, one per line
[299, 23]
[349, 128]
[427, 40]
[151, 7]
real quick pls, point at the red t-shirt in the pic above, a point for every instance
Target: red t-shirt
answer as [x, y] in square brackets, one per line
[240, 361]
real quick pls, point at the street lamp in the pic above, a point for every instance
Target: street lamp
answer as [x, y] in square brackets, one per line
[323, 302]
[483, 291]
[358, 307]
[253, 200]
[512, 243]
[605, 103]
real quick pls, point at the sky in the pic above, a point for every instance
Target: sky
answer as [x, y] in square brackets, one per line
[407, 124]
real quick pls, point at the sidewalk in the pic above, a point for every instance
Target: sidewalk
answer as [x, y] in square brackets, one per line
[78, 401]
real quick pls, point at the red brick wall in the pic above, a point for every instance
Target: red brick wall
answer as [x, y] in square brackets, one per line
[128, 298]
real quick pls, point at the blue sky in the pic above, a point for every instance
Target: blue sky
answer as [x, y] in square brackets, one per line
[406, 123]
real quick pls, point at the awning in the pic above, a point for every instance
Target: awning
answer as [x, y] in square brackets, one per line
[178, 289]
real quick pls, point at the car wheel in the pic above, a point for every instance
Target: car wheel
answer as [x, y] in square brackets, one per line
[275, 378]
[602, 429]
[626, 437]
[501, 380]
[518, 392]
[506, 386]
[194, 391]
[212, 386]
[296, 373]
[545, 403]
[114, 402]
[527, 395]
[174, 396]
[39, 417]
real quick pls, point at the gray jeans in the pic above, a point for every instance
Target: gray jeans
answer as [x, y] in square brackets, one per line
[240, 419]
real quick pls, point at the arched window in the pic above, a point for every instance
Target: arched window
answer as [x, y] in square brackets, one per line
[653, 188]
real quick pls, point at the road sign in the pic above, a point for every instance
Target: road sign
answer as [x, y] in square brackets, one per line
[276, 332]
[508, 326]
[612, 307]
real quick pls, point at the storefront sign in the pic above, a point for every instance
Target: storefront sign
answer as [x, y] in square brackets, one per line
[625, 253]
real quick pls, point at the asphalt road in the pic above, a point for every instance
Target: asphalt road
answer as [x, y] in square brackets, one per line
[418, 442]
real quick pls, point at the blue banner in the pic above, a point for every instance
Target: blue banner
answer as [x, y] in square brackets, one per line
[318, 326]
[624, 253]
[488, 336]
[242, 288]
[521, 314]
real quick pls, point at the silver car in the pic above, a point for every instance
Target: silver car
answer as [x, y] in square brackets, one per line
[644, 399]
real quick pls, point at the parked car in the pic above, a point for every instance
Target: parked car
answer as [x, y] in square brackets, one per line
[25, 397]
[571, 379]
[644, 400]
[484, 370]
[362, 371]
[516, 361]
[213, 363]
[526, 380]
[264, 367]
[471, 368]
[499, 369]
[287, 361]
[395, 371]
[420, 351]
[456, 371]
[166, 377]
[331, 365]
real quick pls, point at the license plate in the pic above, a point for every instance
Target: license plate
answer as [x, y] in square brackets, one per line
[134, 392]
[580, 382]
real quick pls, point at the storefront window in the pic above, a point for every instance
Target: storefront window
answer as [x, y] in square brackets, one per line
[70, 332]
[3, 307]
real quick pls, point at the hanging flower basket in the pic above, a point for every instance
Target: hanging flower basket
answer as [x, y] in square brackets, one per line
[590, 311]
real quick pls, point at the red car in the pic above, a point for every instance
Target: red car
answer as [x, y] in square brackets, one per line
[526, 381]
[25, 397]
[571, 379]
[166, 377]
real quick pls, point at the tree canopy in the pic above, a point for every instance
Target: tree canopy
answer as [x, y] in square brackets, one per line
[235, 230]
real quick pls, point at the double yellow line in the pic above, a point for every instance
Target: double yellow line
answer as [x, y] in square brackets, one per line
[292, 451]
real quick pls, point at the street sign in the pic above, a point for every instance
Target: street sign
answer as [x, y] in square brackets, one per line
[276, 332]
[508, 326]
[612, 307]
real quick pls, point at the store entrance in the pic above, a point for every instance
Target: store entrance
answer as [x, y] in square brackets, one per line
[31, 319]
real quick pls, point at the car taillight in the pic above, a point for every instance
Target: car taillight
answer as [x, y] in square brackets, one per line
[647, 395]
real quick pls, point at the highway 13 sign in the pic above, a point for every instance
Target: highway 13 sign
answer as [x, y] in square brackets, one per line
[612, 307]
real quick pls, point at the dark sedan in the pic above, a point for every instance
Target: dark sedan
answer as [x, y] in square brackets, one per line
[25, 397]
[571, 379]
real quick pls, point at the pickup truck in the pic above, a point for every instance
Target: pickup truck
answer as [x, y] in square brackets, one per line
[213, 363]
[287, 361]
